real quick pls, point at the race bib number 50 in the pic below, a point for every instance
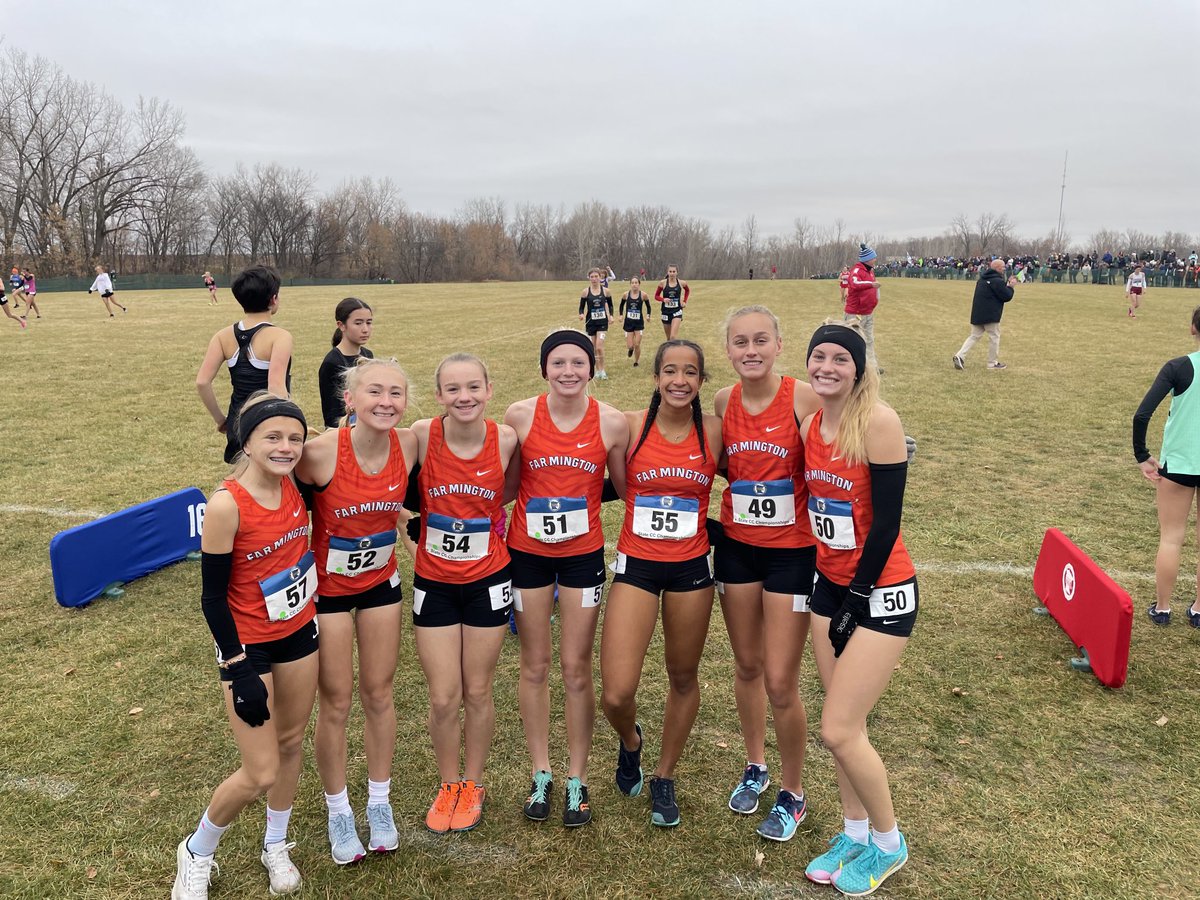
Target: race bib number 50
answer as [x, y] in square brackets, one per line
[832, 522]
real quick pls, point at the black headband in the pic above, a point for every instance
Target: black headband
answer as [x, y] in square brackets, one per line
[253, 416]
[568, 336]
[844, 337]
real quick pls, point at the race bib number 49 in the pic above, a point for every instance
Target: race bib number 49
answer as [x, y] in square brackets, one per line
[353, 556]
[286, 593]
[665, 518]
[460, 540]
[763, 502]
[832, 522]
[554, 519]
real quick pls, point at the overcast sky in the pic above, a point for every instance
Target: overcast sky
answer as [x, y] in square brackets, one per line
[891, 116]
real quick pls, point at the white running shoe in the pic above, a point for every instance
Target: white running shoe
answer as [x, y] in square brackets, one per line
[192, 873]
[285, 877]
[384, 836]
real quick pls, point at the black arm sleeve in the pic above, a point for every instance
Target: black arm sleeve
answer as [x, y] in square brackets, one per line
[331, 402]
[582, 304]
[621, 305]
[887, 502]
[1175, 376]
[608, 300]
[215, 572]
[609, 493]
[412, 496]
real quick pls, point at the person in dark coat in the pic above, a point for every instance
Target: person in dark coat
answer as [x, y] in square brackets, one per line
[991, 293]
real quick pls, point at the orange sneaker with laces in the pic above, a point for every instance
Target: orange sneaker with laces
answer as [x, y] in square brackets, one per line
[442, 812]
[469, 811]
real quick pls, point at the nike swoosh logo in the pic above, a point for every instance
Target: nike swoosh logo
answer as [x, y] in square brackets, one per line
[695, 455]
[772, 428]
[889, 621]
[296, 513]
[392, 487]
[479, 474]
[581, 446]
[698, 581]
[834, 458]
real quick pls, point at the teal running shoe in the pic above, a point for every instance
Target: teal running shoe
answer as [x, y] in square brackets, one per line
[867, 871]
[841, 851]
[783, 819]
[744, 798]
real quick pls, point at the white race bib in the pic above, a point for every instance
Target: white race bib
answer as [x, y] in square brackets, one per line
[353, 556]
[599, 315]
[554, 519]
[665, 518]
[832, 522]
[500, 595]
[634, 315]
[286, 593]
[460, 540]
[894, 602]
[764, 502]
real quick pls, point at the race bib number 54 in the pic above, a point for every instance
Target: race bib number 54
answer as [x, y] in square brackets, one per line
[460, 540]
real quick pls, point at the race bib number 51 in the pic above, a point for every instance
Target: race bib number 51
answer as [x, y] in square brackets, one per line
[554, 519]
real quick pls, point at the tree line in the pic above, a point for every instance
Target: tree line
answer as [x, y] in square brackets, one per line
[85, 179]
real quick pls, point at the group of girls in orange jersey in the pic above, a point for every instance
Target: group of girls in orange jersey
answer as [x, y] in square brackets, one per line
[807, 541]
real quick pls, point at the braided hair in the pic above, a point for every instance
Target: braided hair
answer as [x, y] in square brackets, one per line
[656, 397]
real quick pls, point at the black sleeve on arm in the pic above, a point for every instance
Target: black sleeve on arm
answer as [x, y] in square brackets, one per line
[1175, 376]
[327, 382]
[215, 572]
[412, 496]
[887, 502]
[582, 304]
[621, 305]
[608, 299]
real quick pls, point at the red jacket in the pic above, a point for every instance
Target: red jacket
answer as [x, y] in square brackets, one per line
[862, 297]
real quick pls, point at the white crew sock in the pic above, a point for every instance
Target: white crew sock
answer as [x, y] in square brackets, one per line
[277, 825]
[858, 830]
[887, 841]
[339, 803]
[378, 792]
[205, 838]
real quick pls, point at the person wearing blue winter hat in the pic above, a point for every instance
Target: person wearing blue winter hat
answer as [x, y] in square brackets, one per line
[862, 297]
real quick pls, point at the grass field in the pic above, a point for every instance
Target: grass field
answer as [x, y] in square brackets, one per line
[1014, 776]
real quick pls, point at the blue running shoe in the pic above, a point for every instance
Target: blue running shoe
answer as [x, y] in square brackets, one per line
[781, 822]
[744, 798]
[841, 851]
[867, 871]
[662, 796]
[1159, 616]
[344, 844]
[629, 767]
[384, 837]
[1193, 618]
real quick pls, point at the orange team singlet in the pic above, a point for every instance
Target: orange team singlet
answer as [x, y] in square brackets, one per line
[460, 503]
[839, 511]
[354, 520]
[274, 575]
[668, 487]
[562, 480]
[765, 504]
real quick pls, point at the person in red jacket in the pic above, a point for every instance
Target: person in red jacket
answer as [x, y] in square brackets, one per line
[862, 296]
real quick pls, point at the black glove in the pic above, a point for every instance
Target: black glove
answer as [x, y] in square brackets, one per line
[249, 694]
[413, 527]
[89, 290]
[852, 611]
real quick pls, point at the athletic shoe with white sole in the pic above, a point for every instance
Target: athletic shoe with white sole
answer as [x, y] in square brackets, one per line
[284, 875]
[744, 798]
[783, 819]
[192, 874]
[537, 804]
[344, 845]
[665, 811]
[959, 362]
[384, 836]
[841, 850]
[867, 871]
[629, 767]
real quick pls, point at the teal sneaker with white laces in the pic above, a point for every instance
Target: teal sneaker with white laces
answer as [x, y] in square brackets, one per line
[867, 871]
[841, 851]
[744, 798]
[784, 818]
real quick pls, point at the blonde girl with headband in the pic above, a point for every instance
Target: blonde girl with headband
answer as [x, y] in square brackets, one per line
[258, 581]
[359, 476]
[865, 599]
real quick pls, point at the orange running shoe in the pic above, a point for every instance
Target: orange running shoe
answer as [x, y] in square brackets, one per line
[442, 812]
[469, 811]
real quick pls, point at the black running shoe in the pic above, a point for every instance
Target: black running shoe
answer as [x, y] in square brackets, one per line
[662, 798]
[576, 811]
[537, 806]
[629, 767]
[629, 351]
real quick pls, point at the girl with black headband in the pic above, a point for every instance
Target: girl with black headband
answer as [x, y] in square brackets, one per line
[865, 600]
[765, 561]
[662, 553]
[567, 440]
[258, 583]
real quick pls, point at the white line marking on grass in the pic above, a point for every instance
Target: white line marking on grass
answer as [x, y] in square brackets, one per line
[60, 512]
[40, 785]
[1001, 568]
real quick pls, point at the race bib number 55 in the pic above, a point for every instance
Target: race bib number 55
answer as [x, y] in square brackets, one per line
[665, 518]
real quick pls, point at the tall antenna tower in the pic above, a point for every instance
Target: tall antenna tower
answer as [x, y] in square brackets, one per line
[1058, 235]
